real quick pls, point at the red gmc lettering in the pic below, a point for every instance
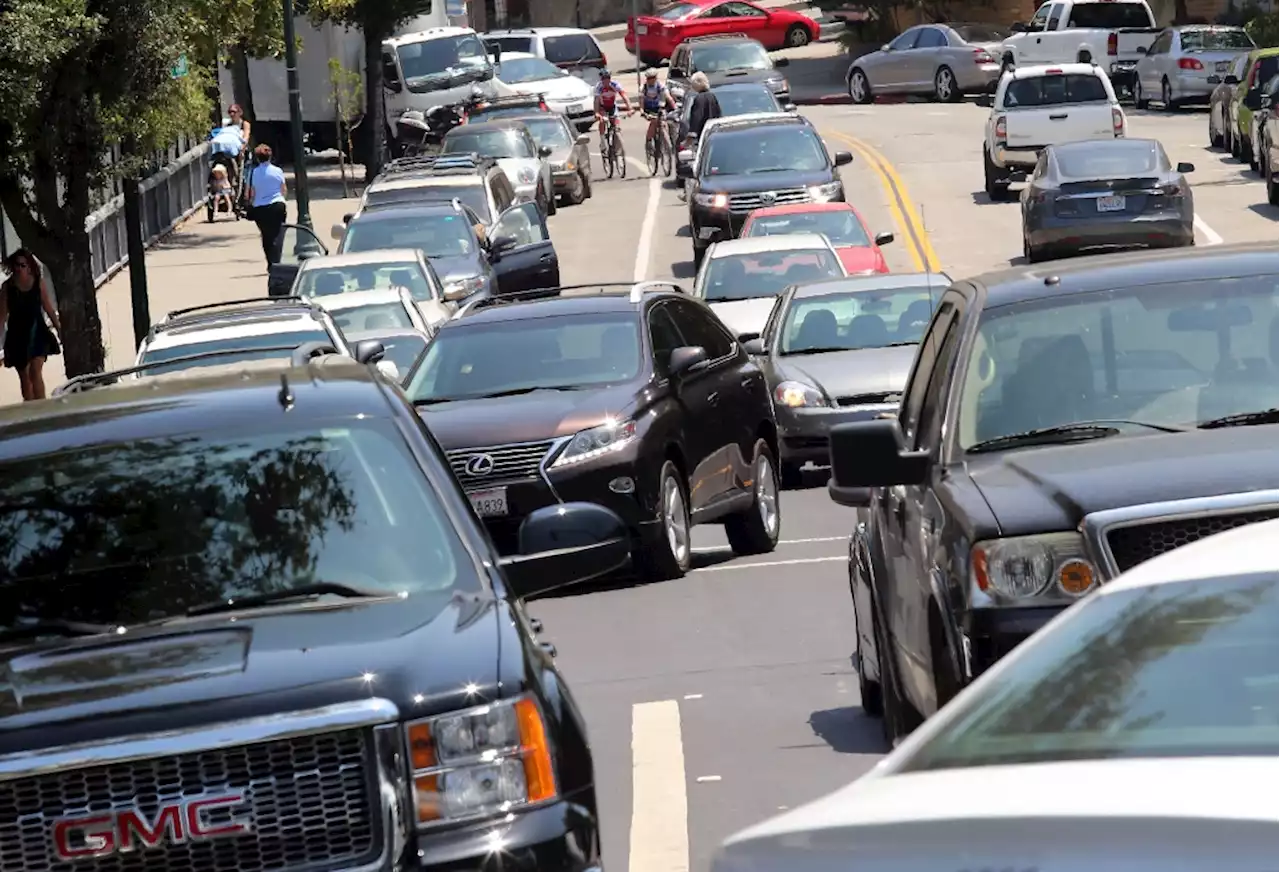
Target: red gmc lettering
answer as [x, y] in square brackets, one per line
[125, 831]
[137, 833]
[198, 829]
[98, 834]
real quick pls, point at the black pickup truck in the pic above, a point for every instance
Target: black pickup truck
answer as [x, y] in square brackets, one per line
[1061, 424]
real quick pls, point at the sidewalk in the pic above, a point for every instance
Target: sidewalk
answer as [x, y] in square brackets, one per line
[199, 263]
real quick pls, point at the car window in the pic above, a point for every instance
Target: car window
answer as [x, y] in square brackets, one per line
[142, 530]
[700, 327]
[250, 348]
[930, 37]
[444, 62]
[511, 43]
[433, 235]
[933, 408]
[503, 193]
[522, 224]
[1109, 16]
[863, 319]
[1111, 158]
[840, 226]
[1040, 19]
[1055, 17]
[568, 352]
[1182, 669]
[375, 316]
[1168, 354]
[502, 143]
[741, 10]
[730, 56]
[550, 131]
[1216, 38]
[516, 70]
[905, 40]
[981, 32]
[1162, 44]
[1054, 90]
[325, 281]
[749, 276]
[664, 338]
[1263, 70]
[471, 194]
[764, 149]
[741, 101]
[680, 10]
[403, 349]
[914, 395]
[571, 48]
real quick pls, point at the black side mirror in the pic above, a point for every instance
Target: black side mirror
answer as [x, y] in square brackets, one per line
[1185, 167]
[1231, 80]
[1018, 27]
[545, 151]
[368, 351]
[685, 360]
[564, 544]
[744, 338]
[782, 62]
[674, 73]
[871, 454]
[346, 219]
[884, 238]
[501, 244]
[850, 497]
[986, 101]
[843, 157]
[755, 347]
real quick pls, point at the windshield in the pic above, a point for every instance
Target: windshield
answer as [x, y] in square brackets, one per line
[253, 348]
[766, 149]
[549, 132]
[981, 32]
[840, 226]
[511, 43]
[502, 143]
[742, 101]
[680, 10]
[1216, 38]
[464, 362]
[863, 319]
[144, 529]
[1166, 354]
[433, 235]
[515, 70]
[1055, 90]
[375, 316]
[327, 281]
[471, 194]
[749, 276]
[1109, 16]
[403, 349]
[730, 56]
[1184, 669]
[1107, 158]
[1265, 69]
[444, 62]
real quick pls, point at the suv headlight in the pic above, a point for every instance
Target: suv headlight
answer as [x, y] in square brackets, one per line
[825, 193]
[597, 442]
[527, 176]
[714, 201]
[463, 286]
[798, 395]
[1023, 567]
[480, 761]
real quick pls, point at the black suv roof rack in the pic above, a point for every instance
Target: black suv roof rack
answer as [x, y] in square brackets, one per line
[445, 164]
[710, 37]
[300, 356]
[232, 310]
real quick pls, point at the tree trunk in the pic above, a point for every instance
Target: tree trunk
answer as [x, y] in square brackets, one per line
[82, 349]
[375, 122]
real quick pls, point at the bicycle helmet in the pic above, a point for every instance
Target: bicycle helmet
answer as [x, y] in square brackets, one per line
[651, 73]
[605, 74]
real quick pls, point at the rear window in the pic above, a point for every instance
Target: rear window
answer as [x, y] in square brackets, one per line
[376, 316]
[1109, 16]
[571, 48]
[1202, 40]
[511, 43]
[1055, 90]
[980, 32]
[471, 195]
[680, 10]
[1111, 159]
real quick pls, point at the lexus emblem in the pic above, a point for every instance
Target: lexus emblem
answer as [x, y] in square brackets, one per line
[478, 464]
[768, 197]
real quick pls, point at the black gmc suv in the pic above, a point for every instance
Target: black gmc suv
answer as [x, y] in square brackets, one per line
[248, 621]
[633, 397]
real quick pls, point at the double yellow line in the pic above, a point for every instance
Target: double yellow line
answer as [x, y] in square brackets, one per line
[905, 215]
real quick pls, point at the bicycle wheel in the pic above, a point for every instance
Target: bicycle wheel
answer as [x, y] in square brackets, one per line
[668, 162]
[620, 155]
[607, 156]
[653, 153]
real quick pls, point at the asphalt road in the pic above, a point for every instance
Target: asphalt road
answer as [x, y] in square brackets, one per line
[720, 699]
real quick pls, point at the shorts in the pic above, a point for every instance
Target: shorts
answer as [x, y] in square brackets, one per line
[610, 111]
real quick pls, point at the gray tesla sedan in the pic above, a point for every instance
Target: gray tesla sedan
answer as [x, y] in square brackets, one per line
[840, 350]
[1112, 193]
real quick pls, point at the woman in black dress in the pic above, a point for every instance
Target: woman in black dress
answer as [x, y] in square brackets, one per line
[24, 300]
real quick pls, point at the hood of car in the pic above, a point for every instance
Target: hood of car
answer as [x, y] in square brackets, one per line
[744, 316]
[561, 89]
[741, 77]
[532, 417]
[514, 167]
[851, 373]
[749, 183]
[861, 258]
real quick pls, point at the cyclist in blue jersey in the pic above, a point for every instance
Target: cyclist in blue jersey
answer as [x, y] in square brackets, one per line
[654, 97]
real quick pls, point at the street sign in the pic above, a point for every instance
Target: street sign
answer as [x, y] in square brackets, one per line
[180, 69]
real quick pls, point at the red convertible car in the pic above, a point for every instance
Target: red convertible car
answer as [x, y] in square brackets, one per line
[659, 34]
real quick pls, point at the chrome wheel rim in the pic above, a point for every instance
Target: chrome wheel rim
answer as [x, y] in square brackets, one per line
[1166, 96]
[673, 517]
[857, 87]
[799, 37]
[944, 84]
[767, 495]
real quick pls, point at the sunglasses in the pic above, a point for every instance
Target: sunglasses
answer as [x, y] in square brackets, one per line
[21, 264]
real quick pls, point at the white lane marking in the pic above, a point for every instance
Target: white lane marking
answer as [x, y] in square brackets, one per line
[1210, 237]
[726, 567]
[707, 779]
[646, 229]
[709, 549]
[693, 696]
[659, 805]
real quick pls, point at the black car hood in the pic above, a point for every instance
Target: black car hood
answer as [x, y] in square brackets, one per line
[751, 182]
[524, 418]
[213, 669]
[742, 77]
[849, 373]
[1034, 490]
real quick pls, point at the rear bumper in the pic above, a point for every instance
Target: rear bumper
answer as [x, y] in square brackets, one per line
[1161, 231]
[979, 78]
[1017, 158]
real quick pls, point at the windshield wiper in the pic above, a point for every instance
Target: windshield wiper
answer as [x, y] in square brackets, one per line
[321, 588]
[1046, 435]
[66, 629]
[514, 392]
[801, 351]
[1242, 419]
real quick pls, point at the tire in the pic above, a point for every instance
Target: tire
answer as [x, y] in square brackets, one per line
[870, 693]
[1140, 100]
[666, 555]
[608, 158]
[859, 87]
[1255, 162]
[1166, 97]
[1215, 138]
[996, 189]
[945, 88]
[756, 530]
[578, 192]
[1007, 63]
[586, 184]
[699, 253]
[797, 36]
[668, 159]
[620, 157]
[1273, 187]
[895, 722]
[1233, 145]
[651, 157]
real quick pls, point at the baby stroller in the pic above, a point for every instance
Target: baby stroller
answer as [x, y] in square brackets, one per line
[226, 176]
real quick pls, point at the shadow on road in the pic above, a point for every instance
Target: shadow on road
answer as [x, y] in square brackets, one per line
[1266, 210]
[980, 198]
[849, 731]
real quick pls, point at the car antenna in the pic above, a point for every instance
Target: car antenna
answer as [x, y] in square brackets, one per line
[286, 395]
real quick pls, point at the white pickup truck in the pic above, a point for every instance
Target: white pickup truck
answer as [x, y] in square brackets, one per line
[1034, 107]
[1115, 34]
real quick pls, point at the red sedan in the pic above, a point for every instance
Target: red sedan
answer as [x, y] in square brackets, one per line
[660, 34]
[858, 250]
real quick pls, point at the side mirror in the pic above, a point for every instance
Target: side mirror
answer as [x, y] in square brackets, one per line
[1185, 167]
[744, 338]
[545, 151]
[755, 347]
[986, 101]
[564, 544]
[1231, 80]
[782, 62]
[850, 497]
[871, 454]
[685, 359]
[368, 351]
[886, 47]
[501, 244]
[346, 219]
[674, 73]
[584, 139]
[685, 155]
[337, 231]
[843, 157]
[884, 238]
[1018, 27]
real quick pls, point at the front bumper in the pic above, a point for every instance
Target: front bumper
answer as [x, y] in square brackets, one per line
[989, 634]
[560, 837]
[703, 218]
[1157, 231]
[564, 181]
[804, 434]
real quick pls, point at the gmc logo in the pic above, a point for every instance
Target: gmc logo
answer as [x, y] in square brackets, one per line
[100, 835]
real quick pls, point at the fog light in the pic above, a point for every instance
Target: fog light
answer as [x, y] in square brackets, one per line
[622, 485]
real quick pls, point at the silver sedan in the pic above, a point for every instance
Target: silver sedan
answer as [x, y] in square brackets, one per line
[1185, 64]
[945, 60]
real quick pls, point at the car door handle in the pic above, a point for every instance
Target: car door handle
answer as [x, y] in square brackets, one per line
[1062, 117]
[748, 382]
[547, 258]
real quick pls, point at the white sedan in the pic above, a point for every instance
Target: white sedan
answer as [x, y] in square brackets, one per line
[524, 73]
[1136, 732]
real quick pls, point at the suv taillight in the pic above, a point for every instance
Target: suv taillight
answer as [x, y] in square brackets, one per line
[1113, 44]
[1117, 121]
[1002, 128]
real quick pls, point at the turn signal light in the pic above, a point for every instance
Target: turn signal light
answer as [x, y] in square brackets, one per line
[1117, 121]
[1075, 577]
[1002, 128]
[1189, 64]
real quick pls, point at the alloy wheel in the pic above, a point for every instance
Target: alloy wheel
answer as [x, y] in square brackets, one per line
[675, 519]
[944, 85]
[767, 494]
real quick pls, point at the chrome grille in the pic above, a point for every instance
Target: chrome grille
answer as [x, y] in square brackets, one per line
[308, 799]
[1131, 545]
[761, 199]
[508, 462]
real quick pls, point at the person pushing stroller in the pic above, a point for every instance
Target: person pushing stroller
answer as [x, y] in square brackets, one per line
[226, 170]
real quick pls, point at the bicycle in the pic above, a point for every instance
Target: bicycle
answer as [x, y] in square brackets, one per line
[613, 153]
[657, 147]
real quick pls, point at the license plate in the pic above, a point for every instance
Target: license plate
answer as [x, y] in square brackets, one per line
[1111, 204]
[574, 108]
[490, 503]
[642, 29]
[1222, 66]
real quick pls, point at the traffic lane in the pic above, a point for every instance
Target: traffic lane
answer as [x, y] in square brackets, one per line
[760, 647]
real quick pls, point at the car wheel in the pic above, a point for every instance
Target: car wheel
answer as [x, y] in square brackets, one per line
[668, 553]
[859, 87]
[577, 191]
[756, 530]
[897, 721]
[1140, 100]
[698, 254]
[1254, 161]
[997, 189]
[551, 203]
[1273, 186]
[945, 88]
[1233, 144]
[870, 693]
[1028, 253]
[586, 184]
[1166, 97]
[797, 36]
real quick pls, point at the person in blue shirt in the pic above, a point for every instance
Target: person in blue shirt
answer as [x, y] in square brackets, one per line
[266, 190]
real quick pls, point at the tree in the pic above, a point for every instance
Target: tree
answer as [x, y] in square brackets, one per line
[80, 76]
[234, 31]
[378, 20]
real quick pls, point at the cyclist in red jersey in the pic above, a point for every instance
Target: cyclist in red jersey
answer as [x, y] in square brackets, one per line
[607, 93]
